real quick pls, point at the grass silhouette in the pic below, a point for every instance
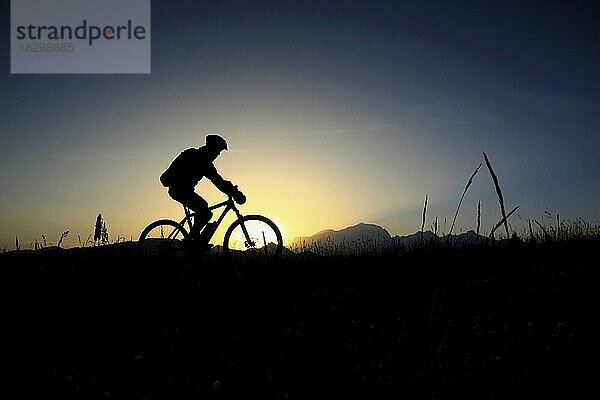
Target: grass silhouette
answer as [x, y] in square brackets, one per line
[475, 321]
[498, 192]
[349, 319]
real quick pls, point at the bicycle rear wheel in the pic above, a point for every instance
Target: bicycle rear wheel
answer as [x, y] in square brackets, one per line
[162, 238]
[263, 243]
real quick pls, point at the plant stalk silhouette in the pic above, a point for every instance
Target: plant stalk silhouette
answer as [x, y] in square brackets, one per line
[469, 182]
[502, 221]
[423, 222]
[498, 191]
[478, 218]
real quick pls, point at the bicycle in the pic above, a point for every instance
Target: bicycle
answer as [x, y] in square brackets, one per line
[250, 237]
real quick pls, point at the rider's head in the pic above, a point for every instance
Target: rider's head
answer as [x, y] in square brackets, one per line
[216, 143]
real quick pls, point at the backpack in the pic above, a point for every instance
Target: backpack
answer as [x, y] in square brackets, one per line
[179, 168]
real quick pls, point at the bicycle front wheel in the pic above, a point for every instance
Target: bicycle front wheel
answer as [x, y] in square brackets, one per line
[162, 238]
[253, 238]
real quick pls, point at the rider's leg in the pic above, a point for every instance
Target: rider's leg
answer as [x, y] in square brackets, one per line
[194, 202]
[202, 214]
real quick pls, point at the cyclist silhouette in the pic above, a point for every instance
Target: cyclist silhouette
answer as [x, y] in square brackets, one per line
[188, 169]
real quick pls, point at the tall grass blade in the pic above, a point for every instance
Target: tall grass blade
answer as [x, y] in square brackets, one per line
[546, 234]
[423, 221]
[478, 218]
[498, 191]
[62, 237]
[469, 182]
[530, 230]
[503, 221]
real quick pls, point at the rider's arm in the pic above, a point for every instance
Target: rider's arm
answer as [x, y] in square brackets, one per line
[224, 186]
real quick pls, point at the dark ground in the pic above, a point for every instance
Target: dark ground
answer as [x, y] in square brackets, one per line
[434, 323]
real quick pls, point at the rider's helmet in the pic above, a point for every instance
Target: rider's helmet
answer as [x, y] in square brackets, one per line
[216, 142]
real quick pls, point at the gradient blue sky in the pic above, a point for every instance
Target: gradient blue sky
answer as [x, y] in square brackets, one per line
[336, 113]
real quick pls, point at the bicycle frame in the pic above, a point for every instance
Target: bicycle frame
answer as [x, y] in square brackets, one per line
[229, 205]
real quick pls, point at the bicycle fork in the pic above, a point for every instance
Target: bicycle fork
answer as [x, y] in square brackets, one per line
[247, 241]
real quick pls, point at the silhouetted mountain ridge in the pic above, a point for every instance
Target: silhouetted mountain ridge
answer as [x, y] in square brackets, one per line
[358, 232]
[374, 235]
